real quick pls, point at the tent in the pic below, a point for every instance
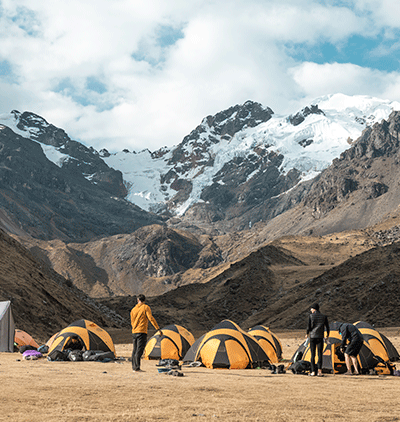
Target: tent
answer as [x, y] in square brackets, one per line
[381, 345]
[373, 353]
[83, 335]
[24, 339]
[173, 344]
[227, 346]
[269, 342]
[6, 327]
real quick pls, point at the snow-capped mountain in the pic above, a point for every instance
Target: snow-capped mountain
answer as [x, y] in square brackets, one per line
[241, 141]
[234, 165]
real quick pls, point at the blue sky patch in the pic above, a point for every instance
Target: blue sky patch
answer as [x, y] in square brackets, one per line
[154, 50]
[26, 20]
[94, 84]
[375, 53]
[168, 35]
[7, 72]
[5, 68]
[90, 96]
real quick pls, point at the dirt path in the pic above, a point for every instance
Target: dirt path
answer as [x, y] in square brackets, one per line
[92, 391]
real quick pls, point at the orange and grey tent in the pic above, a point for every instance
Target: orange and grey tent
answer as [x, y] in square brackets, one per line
[227, 346]
[269, 342]
[378, 342]
[373, 353]
[87, 333]
[24, 339]
[173, 344]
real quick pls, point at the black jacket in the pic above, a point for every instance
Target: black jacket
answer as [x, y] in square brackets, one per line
[350, 332]
[317, 323]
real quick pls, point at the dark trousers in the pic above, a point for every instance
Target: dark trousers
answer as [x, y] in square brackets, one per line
[139, 343]
[316, 343]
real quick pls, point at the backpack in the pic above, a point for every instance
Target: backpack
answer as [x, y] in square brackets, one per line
[57, 355]
[300, 367]
[75, 355]
[97, 355]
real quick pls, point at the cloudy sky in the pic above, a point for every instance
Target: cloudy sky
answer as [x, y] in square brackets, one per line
[139, 74]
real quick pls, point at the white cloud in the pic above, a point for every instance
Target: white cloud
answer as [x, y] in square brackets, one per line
[316, 80]
[386, 13]
[153, 90]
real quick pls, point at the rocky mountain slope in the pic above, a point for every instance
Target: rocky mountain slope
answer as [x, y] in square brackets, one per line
[362, 288]
[79, 199]
[353, 275]
[43, 302]
[151, 260]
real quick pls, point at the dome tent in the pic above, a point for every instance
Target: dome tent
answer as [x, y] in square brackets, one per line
[227, 346]
[378, 342]
[83, 335]
[22, 338]
[269, 342]
[173, 344]
[373, 353]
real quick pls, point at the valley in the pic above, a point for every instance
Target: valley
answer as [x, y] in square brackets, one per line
[251, 248]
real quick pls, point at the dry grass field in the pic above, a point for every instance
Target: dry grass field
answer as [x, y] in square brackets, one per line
[39, 390]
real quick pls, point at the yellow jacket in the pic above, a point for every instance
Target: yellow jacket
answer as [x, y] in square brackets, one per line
[140, 317]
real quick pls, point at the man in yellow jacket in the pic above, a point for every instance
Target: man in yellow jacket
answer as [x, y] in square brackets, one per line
[140, 317]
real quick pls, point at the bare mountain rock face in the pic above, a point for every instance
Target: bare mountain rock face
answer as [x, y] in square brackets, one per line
[47, 201]
[361, 186]
[238, 292]
[151, 260]
[299, 117]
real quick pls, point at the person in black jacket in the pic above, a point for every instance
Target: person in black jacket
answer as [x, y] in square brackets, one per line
[351, 333]
[317, 324]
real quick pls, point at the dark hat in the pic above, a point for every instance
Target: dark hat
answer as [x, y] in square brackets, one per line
[315, 306]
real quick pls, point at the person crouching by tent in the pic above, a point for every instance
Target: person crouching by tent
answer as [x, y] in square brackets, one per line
[140, 317]
[352, 349]
[317, 323]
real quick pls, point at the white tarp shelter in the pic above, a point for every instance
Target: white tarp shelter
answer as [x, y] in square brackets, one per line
[7, 327]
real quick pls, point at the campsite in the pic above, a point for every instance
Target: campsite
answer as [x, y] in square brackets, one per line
[95, 391]
[108, 390]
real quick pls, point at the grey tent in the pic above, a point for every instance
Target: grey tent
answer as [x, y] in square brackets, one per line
[7, 328]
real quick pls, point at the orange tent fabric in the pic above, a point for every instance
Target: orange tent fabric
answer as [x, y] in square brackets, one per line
[24, 339]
